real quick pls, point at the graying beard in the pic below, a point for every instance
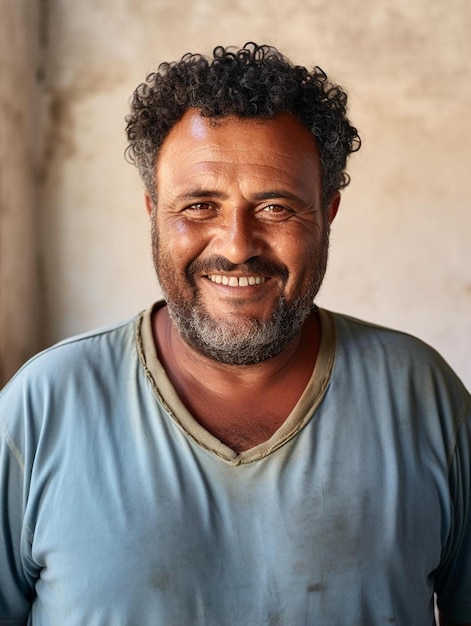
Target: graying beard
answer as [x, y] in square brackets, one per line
[262, 339]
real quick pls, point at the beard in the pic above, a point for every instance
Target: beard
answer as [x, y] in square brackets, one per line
[247, 340]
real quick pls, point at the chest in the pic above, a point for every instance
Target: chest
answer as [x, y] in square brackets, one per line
[243, 417]
[180, 537]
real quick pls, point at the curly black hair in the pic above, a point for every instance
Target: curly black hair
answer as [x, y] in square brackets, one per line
[254, 81]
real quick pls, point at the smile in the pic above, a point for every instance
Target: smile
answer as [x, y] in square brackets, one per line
[236, 281]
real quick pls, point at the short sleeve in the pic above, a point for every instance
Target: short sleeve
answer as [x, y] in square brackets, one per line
[453, 582]
[15, 591]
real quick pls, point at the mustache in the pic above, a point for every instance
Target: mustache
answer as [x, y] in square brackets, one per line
[253, 266]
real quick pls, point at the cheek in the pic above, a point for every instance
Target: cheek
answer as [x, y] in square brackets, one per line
[304, 257]
[296, 250]
[181, 241]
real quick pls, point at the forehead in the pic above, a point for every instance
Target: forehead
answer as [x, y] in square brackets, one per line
[280, 146]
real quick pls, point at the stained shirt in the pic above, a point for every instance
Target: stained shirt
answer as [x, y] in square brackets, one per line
[118, 508]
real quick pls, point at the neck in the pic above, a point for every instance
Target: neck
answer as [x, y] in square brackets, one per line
[247, 403]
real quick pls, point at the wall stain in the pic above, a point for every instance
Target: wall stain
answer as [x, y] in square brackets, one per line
[60, 136]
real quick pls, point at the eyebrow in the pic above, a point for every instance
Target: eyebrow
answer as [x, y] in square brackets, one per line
[196, 192]
[277, 193]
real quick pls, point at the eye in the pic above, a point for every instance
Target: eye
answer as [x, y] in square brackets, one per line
[275, 212]
[200, 210]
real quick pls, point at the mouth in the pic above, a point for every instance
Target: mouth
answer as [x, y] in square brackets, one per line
[236, 281]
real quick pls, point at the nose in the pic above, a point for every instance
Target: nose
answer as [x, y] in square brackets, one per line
[239, 237]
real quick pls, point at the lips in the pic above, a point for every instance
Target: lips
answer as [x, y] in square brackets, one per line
[255, 271]
[236, 281]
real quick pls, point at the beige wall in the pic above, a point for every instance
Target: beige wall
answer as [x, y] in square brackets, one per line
[400, 252]
[19, 276]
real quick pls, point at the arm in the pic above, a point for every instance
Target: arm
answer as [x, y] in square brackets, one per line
[453, 589]
[14, 589]
[453, 582]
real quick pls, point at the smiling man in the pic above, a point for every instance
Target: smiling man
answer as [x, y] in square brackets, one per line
[240, 233]
[240, 238]
[235, 455]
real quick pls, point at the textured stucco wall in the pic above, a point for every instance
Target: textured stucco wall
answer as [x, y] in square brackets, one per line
[19, 279]
[400, 245]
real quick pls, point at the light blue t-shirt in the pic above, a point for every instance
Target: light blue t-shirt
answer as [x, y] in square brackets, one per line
[119, 509]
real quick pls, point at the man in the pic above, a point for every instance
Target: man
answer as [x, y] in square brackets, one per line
[235, 455]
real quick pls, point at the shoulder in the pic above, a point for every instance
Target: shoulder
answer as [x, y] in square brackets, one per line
[71, 373]
[396, 348]
[387, 360]
[76, 353]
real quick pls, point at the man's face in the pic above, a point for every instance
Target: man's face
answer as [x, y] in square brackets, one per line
[239, 234]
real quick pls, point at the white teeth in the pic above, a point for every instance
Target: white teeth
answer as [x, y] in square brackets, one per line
[234, 281]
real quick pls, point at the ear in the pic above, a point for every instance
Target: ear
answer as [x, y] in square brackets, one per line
[149, 203]
[333, 206]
